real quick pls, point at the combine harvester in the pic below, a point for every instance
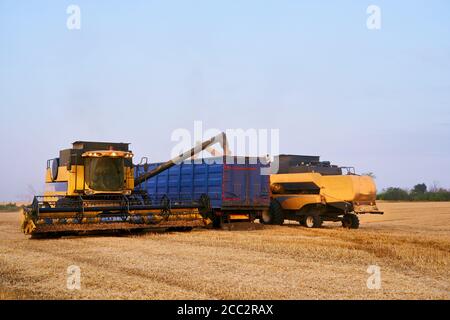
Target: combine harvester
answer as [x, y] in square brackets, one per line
[91, 187]
[311, 191]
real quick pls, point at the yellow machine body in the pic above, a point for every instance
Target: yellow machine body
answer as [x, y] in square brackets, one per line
[71, 182]
[311, 191]
[359, 192]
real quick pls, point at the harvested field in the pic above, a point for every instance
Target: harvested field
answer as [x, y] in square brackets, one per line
[410, 244]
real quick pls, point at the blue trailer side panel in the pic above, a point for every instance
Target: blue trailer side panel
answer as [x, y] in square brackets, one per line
[244, 186]
[185, 183]
[238, 186]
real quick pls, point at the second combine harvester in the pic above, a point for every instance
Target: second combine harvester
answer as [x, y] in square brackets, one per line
[311, 191]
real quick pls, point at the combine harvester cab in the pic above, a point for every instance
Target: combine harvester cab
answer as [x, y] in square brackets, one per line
[310, 192]
[231, 190]
[90, 187]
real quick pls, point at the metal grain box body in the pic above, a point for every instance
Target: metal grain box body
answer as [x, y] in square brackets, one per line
[236, 186]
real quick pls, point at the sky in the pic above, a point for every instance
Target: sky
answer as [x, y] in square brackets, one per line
[136, 71]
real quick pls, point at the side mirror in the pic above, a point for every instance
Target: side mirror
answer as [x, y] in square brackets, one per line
[54, 165]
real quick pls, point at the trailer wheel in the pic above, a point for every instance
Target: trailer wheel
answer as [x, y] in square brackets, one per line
[313, 221]
[275, 214]
[265, 217]
[350, 221]
[217, 222]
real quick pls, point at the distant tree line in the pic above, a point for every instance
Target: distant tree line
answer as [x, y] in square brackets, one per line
[9, 207]
[420, 192]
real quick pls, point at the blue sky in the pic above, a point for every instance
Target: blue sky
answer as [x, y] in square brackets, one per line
[136, 71]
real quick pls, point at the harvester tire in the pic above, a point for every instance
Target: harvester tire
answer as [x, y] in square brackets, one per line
[350, 221]
[301, 221]
[275, 214]
[312, 221]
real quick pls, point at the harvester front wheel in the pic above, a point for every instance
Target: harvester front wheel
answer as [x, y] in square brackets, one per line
[350, 221]
[313, 221]
[302, 221]
[274, 215]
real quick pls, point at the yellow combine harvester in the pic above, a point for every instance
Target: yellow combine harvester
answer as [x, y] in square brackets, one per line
[91, 187]
[311, 191]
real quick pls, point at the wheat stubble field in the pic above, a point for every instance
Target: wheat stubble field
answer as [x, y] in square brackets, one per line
[410, 243]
